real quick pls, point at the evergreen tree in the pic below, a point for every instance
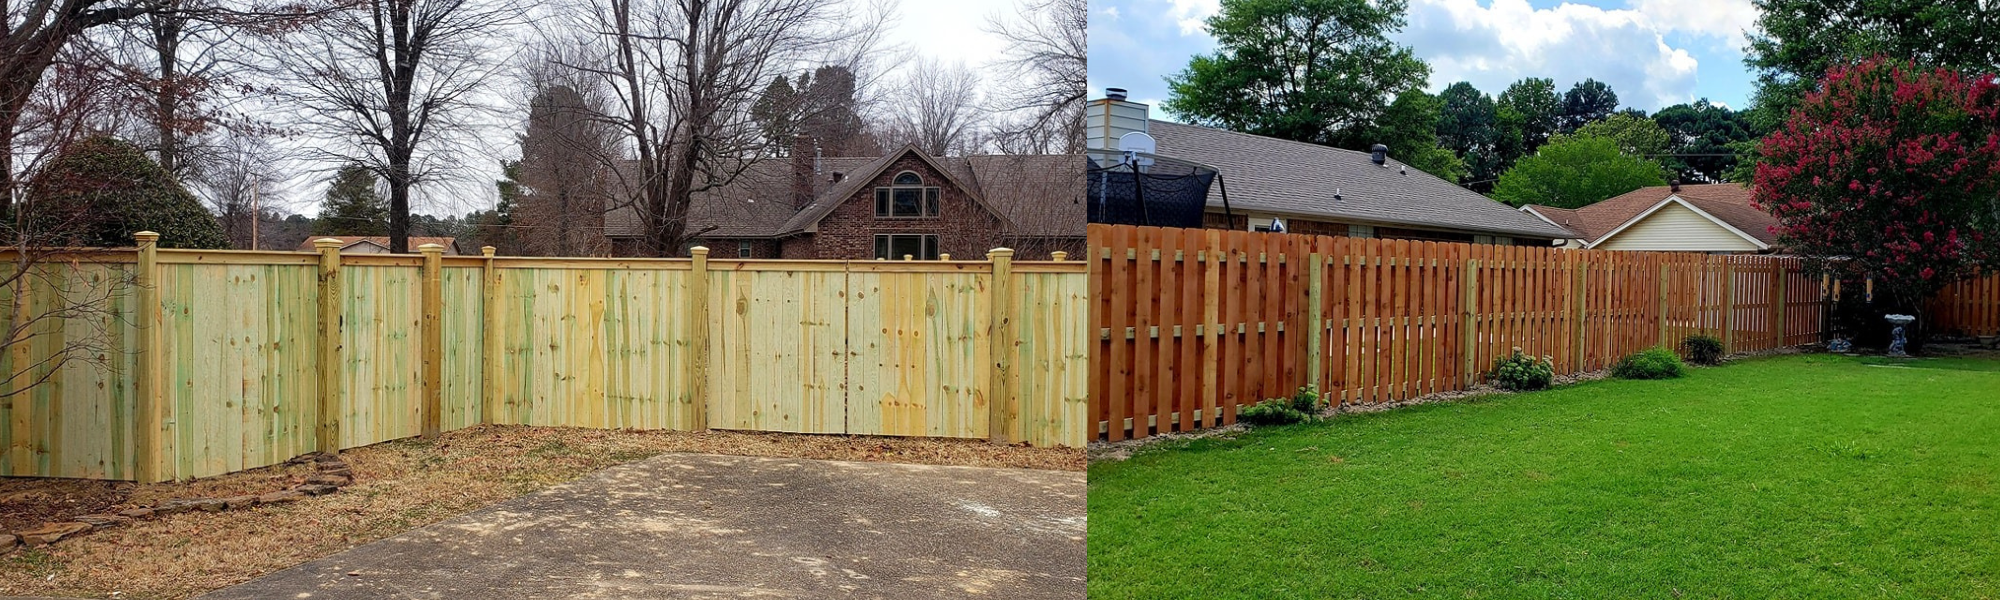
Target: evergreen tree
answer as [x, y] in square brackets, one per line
[1469, 126]
[1574, 171]
[352, 206]
[776, 113]
[101, 190]
[1589, 100]
[1528, 112]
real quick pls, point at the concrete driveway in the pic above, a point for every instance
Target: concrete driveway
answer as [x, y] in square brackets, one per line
[704, 526]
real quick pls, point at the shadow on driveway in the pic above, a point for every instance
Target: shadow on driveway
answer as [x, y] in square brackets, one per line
[704, 526]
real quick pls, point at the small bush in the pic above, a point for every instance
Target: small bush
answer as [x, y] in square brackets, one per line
[1275, 411]
[1307, 400]
[1657, 363]
[1522, 373]
[1703, 349]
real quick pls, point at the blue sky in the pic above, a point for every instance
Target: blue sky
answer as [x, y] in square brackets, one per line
[1654, 53]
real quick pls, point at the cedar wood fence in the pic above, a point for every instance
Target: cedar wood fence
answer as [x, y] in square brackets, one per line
[220, 361]
[1194, 322]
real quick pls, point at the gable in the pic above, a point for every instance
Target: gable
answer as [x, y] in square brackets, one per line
[1675, 227]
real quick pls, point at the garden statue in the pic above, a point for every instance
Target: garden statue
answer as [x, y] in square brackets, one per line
[1897, 341]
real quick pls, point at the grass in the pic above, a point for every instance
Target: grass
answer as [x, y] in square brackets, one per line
[1796, 477]
[400, 485]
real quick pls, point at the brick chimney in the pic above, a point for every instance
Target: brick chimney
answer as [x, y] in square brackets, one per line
[805, 170]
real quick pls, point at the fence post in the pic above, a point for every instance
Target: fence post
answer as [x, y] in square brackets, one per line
[489, 341]
[1004, 405]
[433, 339]
[156, 444]
[1469, 321]
[1058, 256]
[328, 438]
[1728, 306]
[697, 316]
[1778, 301]
[1316, 319]
[1663, 307]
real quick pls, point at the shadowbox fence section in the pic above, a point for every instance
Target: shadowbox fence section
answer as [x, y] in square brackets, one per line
[1970, 307]
[1193, 323]
[209, 362]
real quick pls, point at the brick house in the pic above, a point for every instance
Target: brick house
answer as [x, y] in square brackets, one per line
[906, 202]
[1262, 183]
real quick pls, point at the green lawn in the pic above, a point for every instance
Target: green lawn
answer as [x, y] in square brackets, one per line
[1797, 477]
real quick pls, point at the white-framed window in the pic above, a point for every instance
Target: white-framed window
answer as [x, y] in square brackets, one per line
[1482, 239]
[906, 198]
[895, 246]
[1261, 224]
[1361, 231]
[743, 249]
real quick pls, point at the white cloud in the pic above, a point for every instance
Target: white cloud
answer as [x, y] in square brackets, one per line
[1111, 12]
[1492, 46]
[1192, 15]
[1730, 20]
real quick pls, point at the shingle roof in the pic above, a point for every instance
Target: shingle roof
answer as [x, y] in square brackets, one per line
[1725, 201]
[1040, 195]
[1295, 178]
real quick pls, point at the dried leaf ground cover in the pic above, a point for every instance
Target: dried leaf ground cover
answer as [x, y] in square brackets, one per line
[1809, 476]
[399, 485]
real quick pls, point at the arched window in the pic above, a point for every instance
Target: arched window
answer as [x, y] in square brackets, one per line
[906, 197]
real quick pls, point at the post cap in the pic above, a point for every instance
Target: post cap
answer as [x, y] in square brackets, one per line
[942, 256]
[146, 237]
[431, 249]
[324, 243]
[999, 253]
[1059, 256]
[698, 251]
[487, 250]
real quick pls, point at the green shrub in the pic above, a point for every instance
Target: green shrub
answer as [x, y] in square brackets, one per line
[1274, 411]
[1307, 400]
[1522, 373]
[100, 190]
[1703, 349]
[1657, 363]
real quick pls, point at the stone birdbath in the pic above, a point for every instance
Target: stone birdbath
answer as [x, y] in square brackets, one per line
[1897, 340]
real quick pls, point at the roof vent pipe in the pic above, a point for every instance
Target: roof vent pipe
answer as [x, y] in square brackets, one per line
[1674, 186]
[1380, 155]
[1114, 93]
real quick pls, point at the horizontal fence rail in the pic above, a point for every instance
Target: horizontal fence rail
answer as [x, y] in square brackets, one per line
[209, 362]
[1193, 323]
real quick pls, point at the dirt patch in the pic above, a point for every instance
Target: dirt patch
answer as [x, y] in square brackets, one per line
[399, 485]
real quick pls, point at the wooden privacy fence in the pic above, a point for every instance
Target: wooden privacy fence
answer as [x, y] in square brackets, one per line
[1193, 323]
[219, 361]
[1970, 307]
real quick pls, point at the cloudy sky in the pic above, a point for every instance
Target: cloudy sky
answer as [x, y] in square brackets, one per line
[1654, 53]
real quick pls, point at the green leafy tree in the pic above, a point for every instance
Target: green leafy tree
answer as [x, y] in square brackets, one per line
[1797, 41]
[100, 190]
[1589, 100]
[1529, 111]
[352, 207]
[1635, 135]
[1468, 125]
[1700, 136]
[1318, 71]
[1573, 171]
[1409, 129]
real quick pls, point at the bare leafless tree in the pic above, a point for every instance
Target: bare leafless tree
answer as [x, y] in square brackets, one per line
[242, 180]
[184, 75]
[392, 85]
[1046, 63]
[683, 76]
[939, 109]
